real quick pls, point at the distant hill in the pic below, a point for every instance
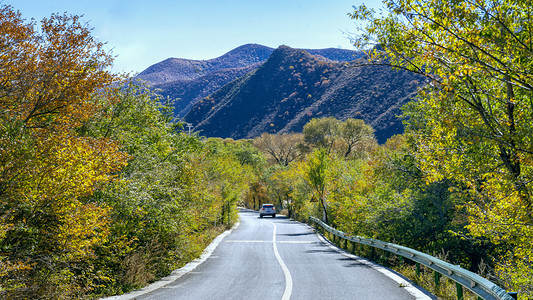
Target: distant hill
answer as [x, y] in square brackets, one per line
[293, 86]
[191, 80]
[188, 92]
[173, 69]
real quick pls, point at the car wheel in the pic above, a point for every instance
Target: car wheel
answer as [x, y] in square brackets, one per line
[260, 216]
[273, 216]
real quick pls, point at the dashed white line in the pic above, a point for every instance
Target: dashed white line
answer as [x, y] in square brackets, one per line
[279, 242]
[288, 279]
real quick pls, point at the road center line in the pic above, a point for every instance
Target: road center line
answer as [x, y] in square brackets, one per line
[288, 279]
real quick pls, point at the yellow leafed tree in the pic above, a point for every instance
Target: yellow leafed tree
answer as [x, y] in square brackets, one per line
[473, 122]
[47, 170]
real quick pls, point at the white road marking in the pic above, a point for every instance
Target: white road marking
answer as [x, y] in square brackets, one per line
[418, 294]
[288, 279]
[176, 273]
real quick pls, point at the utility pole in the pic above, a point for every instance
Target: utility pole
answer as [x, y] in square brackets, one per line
[189, 125]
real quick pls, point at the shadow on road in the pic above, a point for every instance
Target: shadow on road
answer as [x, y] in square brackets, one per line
[298, 234]
[322, 250]
[354, 263]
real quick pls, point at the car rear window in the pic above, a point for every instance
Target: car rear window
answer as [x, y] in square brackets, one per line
[268, 206]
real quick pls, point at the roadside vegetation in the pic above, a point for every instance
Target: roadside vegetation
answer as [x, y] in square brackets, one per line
[101, 192]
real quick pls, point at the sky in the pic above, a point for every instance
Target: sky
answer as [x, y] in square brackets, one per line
[141, 33]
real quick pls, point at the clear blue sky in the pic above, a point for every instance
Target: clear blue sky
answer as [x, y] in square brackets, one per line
[144, 32]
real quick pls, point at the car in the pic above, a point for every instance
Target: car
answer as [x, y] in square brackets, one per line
[267, 210]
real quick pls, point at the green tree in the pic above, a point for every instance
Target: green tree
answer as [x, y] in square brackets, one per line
[317, 176]
[156, 213]
[425, 216]
[355, 134]
[473, 122]
[322, 132]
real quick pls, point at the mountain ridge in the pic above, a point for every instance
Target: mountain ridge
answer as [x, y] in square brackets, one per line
[191, 80]
[293, 86]
[254, 89]
[172, 69]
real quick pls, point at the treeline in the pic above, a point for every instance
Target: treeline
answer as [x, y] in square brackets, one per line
[472, 124]
[336, 171]
[100, 191]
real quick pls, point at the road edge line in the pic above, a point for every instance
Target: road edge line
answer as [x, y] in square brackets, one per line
[178, 272]
[402, 282]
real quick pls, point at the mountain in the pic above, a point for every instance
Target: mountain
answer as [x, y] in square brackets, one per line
[173, 69]
[188, 92]
[293, 86]
[188, 81]
[335, 54]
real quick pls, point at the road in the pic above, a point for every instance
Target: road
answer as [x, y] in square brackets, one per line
[277, 258]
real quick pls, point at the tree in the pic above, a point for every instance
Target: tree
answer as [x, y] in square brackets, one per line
[317, 176]
[341, 136]
[50, 77]
[283, 148]
[229, 177]
[322, 132]
[354, 133]
[472, 123]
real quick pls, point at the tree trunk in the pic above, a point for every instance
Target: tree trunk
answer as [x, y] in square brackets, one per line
[324, 210]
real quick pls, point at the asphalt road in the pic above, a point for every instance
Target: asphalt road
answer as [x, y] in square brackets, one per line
[277, 258]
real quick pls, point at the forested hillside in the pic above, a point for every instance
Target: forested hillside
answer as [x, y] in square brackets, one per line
[187, 81]
[294, 86]
[185, 93]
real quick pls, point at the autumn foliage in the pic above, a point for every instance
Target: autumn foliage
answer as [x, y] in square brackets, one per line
[100, 192]
[473, 122]
[49, 79]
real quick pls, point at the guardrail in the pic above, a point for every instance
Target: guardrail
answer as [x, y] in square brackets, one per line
[482, 287]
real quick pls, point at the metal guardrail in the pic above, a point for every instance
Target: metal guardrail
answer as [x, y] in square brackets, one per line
[477, 284]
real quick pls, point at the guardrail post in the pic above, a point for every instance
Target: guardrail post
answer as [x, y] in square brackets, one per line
[459, 289]
[478, 285]
[437, 279]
